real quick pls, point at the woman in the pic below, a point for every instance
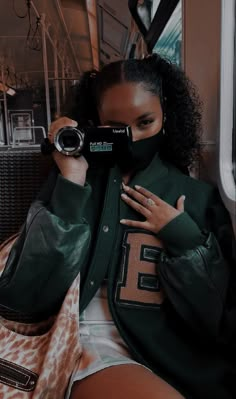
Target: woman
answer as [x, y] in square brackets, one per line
[146, 238]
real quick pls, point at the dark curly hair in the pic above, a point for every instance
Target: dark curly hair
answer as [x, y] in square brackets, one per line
[178, 96]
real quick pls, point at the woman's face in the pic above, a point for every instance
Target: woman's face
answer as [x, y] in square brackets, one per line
[130, 104]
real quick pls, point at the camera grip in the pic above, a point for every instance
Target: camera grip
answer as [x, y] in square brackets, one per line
[47, 147]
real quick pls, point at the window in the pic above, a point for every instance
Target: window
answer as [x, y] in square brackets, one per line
[234, 108]
[227, 134]
[169, 43]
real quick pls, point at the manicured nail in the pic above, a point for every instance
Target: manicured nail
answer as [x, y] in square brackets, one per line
[183, 196]
[122, 221]
[137, 187]
[126, 188]
[124, 195]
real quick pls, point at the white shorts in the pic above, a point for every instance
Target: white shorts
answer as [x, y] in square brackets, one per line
[102, 345]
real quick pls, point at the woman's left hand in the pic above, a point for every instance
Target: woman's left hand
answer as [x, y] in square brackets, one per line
[156, 211]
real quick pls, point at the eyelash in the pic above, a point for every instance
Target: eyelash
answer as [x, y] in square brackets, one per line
[145, 123]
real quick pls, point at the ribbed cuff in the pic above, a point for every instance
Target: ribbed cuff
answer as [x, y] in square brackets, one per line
[181, 234]
[69, 199]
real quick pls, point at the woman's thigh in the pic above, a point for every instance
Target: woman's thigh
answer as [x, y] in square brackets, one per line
[125, 381]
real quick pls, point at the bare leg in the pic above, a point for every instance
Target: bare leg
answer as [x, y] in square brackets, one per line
[121, 382]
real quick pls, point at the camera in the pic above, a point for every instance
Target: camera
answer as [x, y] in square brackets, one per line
[99, 145]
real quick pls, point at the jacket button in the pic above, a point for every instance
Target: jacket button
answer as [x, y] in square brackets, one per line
[105, 229]
[91, 283]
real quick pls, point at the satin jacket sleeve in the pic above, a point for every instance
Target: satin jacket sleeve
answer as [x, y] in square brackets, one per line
[196, 266]
[52, 246]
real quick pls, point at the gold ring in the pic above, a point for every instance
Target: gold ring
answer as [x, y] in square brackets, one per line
[150, 202]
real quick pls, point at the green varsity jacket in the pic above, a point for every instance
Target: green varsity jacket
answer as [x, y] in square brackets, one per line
[166, 292]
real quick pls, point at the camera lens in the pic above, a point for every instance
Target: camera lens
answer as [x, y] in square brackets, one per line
[69, 141]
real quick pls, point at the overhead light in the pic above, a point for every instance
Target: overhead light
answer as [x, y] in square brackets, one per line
[7, 89]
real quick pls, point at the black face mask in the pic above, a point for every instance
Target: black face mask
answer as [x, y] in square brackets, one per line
[143, 152]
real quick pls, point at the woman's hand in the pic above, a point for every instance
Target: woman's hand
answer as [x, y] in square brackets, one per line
[156, 211]
[71, 168]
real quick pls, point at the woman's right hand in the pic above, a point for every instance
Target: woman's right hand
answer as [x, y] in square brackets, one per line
[71, 168]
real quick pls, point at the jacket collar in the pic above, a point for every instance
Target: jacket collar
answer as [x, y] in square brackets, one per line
[156, 170]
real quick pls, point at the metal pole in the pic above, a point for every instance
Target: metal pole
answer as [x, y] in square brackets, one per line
[68, 38]
[57, 89]
[45, 67]
[63, 79]
[7, 133]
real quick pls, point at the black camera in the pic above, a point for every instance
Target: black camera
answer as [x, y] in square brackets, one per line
[99, 145]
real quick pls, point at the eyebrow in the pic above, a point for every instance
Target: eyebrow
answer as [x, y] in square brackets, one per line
[145, 115]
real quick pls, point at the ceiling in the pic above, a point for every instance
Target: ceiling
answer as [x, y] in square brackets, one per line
[59, 39]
